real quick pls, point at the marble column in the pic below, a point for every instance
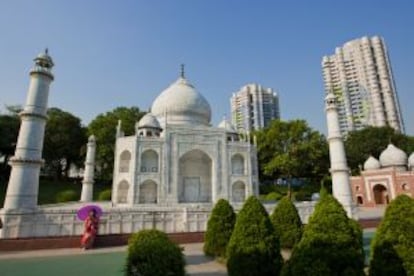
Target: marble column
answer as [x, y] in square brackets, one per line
[341, 187]
[87, 184]
[23, 186]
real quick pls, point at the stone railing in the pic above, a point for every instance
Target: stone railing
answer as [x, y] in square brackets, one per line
[61, 220]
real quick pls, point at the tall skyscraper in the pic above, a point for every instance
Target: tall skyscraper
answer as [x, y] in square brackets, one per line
[253, 107]
[360, 76]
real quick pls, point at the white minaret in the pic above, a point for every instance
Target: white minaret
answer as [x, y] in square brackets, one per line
[87, 184]
[341, 188]
[23, 184]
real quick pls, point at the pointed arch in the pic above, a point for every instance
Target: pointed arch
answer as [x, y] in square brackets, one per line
[122, 194]
[238, 191]
[124, 161]
[149, 161]
[148, 192]
[237, 164]
[195, 177]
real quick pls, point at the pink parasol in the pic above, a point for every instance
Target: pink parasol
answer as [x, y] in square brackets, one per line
[84, 211]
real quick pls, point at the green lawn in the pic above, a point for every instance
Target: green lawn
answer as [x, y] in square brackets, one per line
[48, 189]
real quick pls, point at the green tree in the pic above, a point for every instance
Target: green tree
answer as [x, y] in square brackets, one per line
[9, 129]
[292, 149]
[64, 140]
[287, 223]
[104, 129]
[253, 248]
[152, 253]
[360, 144]
[392, 249]
[331, 243]
[219, 228]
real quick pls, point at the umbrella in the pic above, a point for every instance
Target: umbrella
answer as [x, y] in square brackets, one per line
[84, 211]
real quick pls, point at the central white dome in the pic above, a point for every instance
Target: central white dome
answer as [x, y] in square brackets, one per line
[181, 104]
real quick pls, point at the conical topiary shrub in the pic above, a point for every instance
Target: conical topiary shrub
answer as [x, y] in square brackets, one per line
[253, 248]
[331, 244]
[392, 249]
[287, 223]
[219, 228]
[152, 253]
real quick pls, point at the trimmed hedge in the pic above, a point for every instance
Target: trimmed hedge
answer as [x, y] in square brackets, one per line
[152, 253]
[273, 196]
[67, 195]
[219, 228]
[392, 249]
[105, 195]
[287, 223]
[331, 244]
[253, 248]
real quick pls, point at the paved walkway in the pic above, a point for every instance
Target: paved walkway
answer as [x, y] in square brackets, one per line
[42, 261]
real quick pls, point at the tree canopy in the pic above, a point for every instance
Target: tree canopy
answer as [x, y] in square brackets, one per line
[360, 144]
[65, 138]
[104, 127]
[292, 149]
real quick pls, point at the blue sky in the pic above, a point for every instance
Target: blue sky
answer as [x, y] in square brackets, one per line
[124, 53]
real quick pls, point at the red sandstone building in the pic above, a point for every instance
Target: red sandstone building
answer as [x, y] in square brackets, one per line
[384, 179]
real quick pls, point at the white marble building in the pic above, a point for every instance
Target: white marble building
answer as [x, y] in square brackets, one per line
[176, 156]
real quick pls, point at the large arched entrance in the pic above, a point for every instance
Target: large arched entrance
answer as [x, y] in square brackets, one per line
[194, 177]
[380, 194]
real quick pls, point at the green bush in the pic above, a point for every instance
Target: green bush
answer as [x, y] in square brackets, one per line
[273, 196]
[152, 253]
[392, 249]
[253, 248]
[331, 244]
[105, 195]
[287, 223]
[67, 195]
[219, 228]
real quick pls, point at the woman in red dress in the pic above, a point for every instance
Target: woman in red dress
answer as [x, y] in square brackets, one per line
[90, 230]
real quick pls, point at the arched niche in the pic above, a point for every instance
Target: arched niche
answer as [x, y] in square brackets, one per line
[124, 161]
[237, 164]
[238, 191]
[122, 195]
[148, 192]
[149, 161]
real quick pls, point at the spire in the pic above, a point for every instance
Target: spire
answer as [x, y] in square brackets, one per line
[46, 51]
[182, 72]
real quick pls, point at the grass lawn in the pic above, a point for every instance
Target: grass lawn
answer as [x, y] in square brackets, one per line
[48, 189]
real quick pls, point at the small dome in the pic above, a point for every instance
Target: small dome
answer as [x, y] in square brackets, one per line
[393, 156]
[44, 60]
[411, 160]
[182, 104]
[227, 126]
[149, 120]
[372, 163]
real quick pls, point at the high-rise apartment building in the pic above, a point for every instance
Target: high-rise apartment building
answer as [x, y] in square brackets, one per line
[253, 107]
[360, 76]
